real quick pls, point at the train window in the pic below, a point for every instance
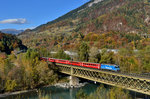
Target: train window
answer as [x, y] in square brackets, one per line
[62, 60]
[75, 62]
[89, 64]
[94, 64]
[116, 66]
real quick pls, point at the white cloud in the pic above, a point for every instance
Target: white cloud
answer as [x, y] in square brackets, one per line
[14, 21]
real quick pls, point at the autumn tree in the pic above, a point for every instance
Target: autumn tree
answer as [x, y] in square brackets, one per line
[103, 93]
[107, 57]
[128, 61]
[144, 56]
[117, 93]
[62, 55]
[83, 52]
[94, 55]
[25, 71]
[81, 94]
[44, 52]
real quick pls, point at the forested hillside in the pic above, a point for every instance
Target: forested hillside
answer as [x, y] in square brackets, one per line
[9, 43]
[109, 24]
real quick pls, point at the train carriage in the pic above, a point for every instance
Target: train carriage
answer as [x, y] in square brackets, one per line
[75, 63]
[61, 61]
[91, 65]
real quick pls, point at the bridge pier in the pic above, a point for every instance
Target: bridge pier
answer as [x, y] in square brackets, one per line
[74, 81]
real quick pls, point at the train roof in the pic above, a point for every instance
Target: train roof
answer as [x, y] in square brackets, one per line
[77, 61]
[110, 64]
[84, 62]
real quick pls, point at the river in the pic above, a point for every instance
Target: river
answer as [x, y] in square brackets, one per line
[55, 92]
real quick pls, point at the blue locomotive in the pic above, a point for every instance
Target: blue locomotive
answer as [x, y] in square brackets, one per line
[110, 67]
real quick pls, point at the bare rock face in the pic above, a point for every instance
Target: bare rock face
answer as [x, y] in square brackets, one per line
[95, 1]
[147, 20]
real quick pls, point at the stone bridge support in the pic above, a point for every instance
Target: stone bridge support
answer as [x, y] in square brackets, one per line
[74, 81]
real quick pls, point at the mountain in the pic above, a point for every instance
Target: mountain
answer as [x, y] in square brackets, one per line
[11, 31]
[100, 23]
[9, 43]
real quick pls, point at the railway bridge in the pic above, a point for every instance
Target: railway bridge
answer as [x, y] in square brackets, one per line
[130, 82]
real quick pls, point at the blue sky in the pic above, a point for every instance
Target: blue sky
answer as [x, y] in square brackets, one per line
[23, 14]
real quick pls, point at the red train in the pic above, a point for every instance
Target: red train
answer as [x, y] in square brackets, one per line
[111, 67]
[75, 63]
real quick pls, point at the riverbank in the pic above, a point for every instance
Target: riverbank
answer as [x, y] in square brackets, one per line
[16, 93]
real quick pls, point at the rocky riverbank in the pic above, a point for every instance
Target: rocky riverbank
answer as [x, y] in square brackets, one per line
[67, 85]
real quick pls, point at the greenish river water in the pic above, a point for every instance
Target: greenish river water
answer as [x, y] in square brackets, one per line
[64, 93]
[55, 92]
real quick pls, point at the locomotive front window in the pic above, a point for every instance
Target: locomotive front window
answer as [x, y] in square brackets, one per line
[116, 66]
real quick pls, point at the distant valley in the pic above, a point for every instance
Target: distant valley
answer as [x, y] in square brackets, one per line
[11, 31]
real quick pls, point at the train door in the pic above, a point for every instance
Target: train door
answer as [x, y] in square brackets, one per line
[99, 66]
